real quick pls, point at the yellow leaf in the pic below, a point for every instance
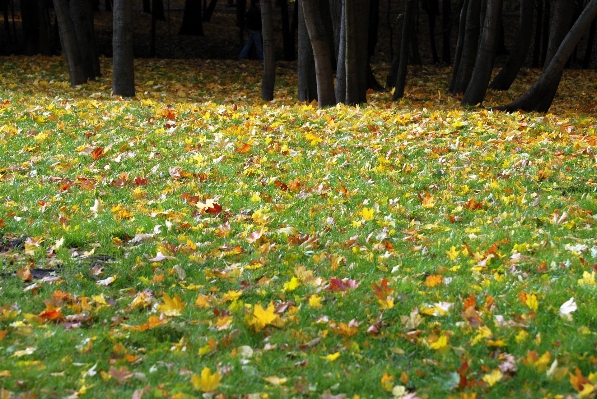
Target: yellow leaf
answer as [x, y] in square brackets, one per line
[493, 377]
[4, 373]
[315, 301]
[203, 301]
[172, 306]
[230, 296]
[453, 253]
[262, 317]
[331, 357]
[276, 380]
[208, 382]
[387, 382]
[532, 302]
[367, 213]
[587, 278]
[587, 389]
[292, 284]
[440, 344]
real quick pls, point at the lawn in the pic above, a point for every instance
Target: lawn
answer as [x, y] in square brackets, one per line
[198, 241]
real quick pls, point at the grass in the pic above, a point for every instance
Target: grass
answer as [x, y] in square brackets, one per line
[196, 240]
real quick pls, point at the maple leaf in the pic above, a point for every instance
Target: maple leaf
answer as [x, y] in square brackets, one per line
[260, 318]
[208, 381]
[347, 330]
[152, 322]
[51, 313]
[387, 382]
[532, 302]
[382, 290]
[121, 375]
[567, 308]
[341, 285]
[578, 381]
[492, 378]
[440, 344]
[172, 306]
[315, 301]
[434, 280]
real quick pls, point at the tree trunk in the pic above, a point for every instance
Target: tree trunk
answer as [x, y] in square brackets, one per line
[341, 74]
[469, 49]
[362, 10]
[459, 46]
[590, 42]
[269, 56]
[123, 75]
[414, 37]
[406, 33]
[157, 10]
[552, 74]
[538, 26]
[561, 21]
[446, 30]
[209, 11]
[545, 31]
[287, 38]
[70, 47]
[351, 53]
[431, 7]
[45, 29]
[147, 6]
[508, 73]
[192, 21]
[475, 92]
[82, 16]
[307, 83]
[321, 53]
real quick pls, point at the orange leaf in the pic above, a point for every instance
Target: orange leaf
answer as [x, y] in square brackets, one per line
[434, 280]
[97, 153]
[578, 381]
[51, 313]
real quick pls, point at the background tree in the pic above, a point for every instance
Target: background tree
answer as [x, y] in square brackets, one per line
[307, 82]
[123, 74]
[269, 56]
[466, 62]
[407, 31]
[192, 21]
[70, 45]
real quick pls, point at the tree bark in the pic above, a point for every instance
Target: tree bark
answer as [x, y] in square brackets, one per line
[82, 16]
[406, 33]
[475, 92]
[70, 46]
[123, 75]
[341, 73]
[431, 7]
[508, 73]
[192, 21]
[538, 26]
[351, 64]
[552, 74]
[269, 57]
[459, 46]
[469, 48]
[209, 11]
[307, 83]
[287, 37]
[446, 30]
[321, 53]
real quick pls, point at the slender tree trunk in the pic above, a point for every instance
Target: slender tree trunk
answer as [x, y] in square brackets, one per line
[362, 9]
[459, 47]
[469, 49]
[287, 39]
[70, 47]
[561, 21]
[538, 26]
[407, 31]
[431, 7]
[123, 75]
[553, 72]
[475, 92]
[414, 37]
[507, 74]
[590, 42]
[209, 11]
[147, 6]
[269, 56]
[82, 16]
[341, 73]
[157, 10]
[45, 29]
[351, 53]
[307, 83]
[321, 53]
[545, 31]
[192, 21]
[446, 30]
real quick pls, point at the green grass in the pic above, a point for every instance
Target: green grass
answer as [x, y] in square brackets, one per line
[447, 207]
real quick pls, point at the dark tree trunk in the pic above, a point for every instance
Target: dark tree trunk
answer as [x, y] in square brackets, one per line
[321, 53]
[82, 16]
[307, 83]
[552, 74]
[431, 7]
[4, 4]
[372, 82]
[538, 26]
[362, 10]
[562, 19]
[269, 56]
[45, 28]
[341, 75]
[590, 42]
[70, 46]
[326, 17]
[446, 30]
[209, 11]
[469, 49]
[545, 31]
[157, 10]
[407, 31]
[351, 53]
[459, 46]
[287, 38]
[147, 6]
[241, 9]
[507, 74]
[475, 92]
[31, 26]
[192, 21]
[414, 37]
[123, 74]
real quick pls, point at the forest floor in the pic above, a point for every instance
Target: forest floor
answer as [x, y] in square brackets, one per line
[197, 240]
